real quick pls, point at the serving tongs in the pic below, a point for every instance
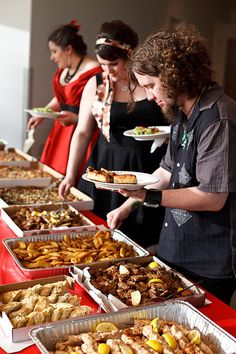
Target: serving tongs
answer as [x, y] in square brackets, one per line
[180, 291]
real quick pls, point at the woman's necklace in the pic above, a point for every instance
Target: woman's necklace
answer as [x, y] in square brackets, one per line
[184, 139]
[69, 76]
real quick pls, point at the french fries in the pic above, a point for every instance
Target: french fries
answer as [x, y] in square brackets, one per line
[46, 254]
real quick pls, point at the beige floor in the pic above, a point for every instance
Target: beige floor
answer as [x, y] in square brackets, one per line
[233, 301]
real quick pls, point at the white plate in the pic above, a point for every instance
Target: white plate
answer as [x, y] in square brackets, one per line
[143, 180]
[164, 132]
[53, 115]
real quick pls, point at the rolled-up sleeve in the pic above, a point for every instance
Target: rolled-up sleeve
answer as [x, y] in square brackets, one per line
[215, 165]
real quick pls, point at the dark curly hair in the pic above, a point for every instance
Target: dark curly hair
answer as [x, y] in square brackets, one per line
[66, 35]
[119, 31]
[179, 58]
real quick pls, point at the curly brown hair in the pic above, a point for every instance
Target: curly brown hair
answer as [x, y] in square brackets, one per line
[179, 58]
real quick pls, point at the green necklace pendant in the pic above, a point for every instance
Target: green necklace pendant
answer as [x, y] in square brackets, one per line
[184, 139]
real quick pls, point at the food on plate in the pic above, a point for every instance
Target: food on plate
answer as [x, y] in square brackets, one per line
[20, 172]
[33, 195]
[106, 176]
[30, 218]
[43, 110]
[41, 304]
[136, 284]
[99, 246]
[140, 130]
[170, 337]
[7, 156]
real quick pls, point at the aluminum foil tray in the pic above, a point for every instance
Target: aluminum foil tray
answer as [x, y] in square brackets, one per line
[11, 243]
[46, 337]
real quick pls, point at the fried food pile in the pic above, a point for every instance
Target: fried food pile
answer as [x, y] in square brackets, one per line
[107, 176]
[10, 156]
[41, 304]
[99, 246]
[145, 336]
[136, 284]
[28, 218]
[20, 172]
[32, 195]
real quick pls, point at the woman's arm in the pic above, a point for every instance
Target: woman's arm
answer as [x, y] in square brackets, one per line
[81, 136]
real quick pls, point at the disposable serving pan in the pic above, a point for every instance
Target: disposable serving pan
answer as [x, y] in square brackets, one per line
[34, 181]
[82, 201]
[22, 334]
[46, 337]
[11, 243]
[112, 303]
[23, 160]
[8, 212]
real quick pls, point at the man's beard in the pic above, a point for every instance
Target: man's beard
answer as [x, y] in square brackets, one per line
[170, 112]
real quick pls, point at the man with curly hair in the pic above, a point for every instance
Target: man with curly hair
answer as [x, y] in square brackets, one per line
[198, 173]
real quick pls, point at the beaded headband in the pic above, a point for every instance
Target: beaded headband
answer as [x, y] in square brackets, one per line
[113, 43]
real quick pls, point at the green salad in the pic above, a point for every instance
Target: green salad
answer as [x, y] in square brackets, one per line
[43, 110]
[145, 130]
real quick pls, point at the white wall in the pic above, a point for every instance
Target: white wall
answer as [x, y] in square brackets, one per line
[14, 64]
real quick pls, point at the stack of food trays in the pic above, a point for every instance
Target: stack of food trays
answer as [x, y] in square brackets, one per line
[163, 328]
[33, 303]
[53, 254]
[119, 284]
[36, 196]
[15, 157]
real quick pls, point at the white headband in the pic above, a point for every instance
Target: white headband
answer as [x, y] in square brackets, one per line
[113, 43]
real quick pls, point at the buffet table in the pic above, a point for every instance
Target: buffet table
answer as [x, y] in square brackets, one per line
[217, 311]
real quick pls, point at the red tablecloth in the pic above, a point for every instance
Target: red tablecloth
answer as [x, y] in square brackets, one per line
[217, 311]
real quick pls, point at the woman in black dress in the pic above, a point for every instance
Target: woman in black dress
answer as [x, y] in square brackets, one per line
[115, 103]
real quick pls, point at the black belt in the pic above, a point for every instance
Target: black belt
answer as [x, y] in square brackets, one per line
[67, 107]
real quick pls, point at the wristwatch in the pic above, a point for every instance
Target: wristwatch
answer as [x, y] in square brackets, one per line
[153, 198]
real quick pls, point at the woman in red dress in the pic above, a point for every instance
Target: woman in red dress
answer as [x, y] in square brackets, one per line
[75, 68]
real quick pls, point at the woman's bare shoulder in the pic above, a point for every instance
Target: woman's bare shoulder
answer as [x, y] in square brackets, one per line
[90, 63]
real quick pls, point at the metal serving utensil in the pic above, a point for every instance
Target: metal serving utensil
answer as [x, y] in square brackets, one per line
[186, 288]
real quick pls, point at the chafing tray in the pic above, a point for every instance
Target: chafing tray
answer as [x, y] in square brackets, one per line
[22, 334]
[8, 212]
[46, 337]
[112, 303]
[11, 243]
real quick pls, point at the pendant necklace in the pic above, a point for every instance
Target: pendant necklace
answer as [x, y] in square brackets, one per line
[184, 139]
[69, 76]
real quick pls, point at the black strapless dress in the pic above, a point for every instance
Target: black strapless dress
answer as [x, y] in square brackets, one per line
[127, 154]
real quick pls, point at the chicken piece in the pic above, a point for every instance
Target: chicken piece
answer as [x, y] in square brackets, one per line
[137, 344]
[114, 344]
[89, 346]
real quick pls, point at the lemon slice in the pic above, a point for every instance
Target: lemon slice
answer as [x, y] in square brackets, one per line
[136, 297]
[103, 348]
[179, 289]
[105, 327]
[195, 336]
[123, 269]
[155, 323]
[155, 344]
[170, 340]
[155, 280]
[125, 349]
[153, 265]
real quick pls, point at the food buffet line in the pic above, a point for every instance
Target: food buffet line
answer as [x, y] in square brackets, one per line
[70, 285]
